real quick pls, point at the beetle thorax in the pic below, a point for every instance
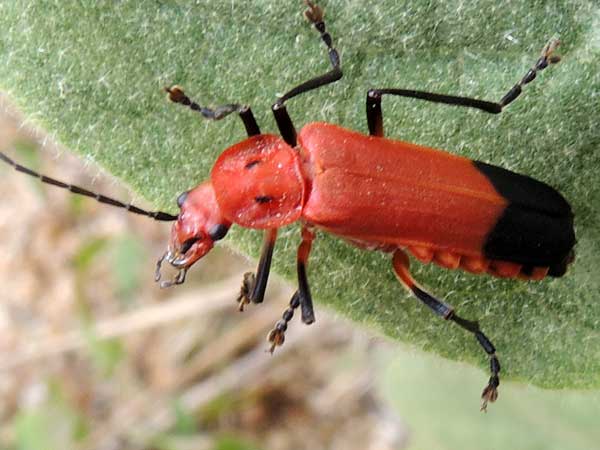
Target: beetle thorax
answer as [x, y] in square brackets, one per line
[258, 183]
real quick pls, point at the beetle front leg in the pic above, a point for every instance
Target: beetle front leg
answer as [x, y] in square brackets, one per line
[254, 286]
[176, 95]
[301, 297]
[401, 268]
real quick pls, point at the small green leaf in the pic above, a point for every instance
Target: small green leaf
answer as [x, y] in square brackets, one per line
[87, 253]
[105, 354]
[54, 424]
[185, 423]
[91, 74]
[234, 443]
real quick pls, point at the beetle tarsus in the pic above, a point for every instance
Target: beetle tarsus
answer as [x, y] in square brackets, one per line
[177, 279]
[490, 393]
[247, 285]
[176, 95]
[157, 273]
[548, 50]
[314, 13]
[546, 58]
[277, 335]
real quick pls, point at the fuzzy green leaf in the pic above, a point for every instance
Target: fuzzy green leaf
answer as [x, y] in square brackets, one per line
[91, 74]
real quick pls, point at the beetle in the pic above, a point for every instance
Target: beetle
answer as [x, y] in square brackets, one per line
[375, 193]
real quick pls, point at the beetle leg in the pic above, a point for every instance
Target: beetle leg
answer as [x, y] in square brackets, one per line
[254, 286]
[306, 303]
[176, 95]
[244, 297]
[301, 297]
[375, 116]
[401, 268]
[314, 14]
[178, 279]
[277, 335]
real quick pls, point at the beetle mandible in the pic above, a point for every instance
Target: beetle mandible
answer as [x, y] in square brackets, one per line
[373, 192]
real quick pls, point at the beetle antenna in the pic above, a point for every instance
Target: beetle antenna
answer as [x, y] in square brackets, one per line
[156, 215]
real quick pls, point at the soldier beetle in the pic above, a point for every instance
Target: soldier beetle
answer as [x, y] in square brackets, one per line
[373, 192]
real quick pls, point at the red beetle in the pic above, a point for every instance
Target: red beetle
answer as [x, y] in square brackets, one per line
[376, 193]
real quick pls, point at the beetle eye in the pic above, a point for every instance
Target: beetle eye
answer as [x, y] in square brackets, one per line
[188, 244]
[218, 232]
[181, 198]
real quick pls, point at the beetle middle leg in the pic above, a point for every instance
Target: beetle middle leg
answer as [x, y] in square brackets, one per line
[314, 14]
[401, 264]
[301, 298]
[374, 96]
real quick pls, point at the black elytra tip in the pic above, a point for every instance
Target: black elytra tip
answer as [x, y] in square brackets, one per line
[536, 227]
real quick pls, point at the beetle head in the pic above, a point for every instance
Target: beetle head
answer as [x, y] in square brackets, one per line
[199, 224]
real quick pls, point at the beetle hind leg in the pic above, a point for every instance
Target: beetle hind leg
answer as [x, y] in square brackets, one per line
[401, 265]
[374, 96]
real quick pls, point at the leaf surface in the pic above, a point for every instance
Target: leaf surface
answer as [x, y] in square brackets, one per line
[91, 74]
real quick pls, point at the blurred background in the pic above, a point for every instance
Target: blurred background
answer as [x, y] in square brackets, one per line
[95, 356]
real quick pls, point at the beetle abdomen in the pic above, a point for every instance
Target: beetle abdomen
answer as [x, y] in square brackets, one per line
[478, 264]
